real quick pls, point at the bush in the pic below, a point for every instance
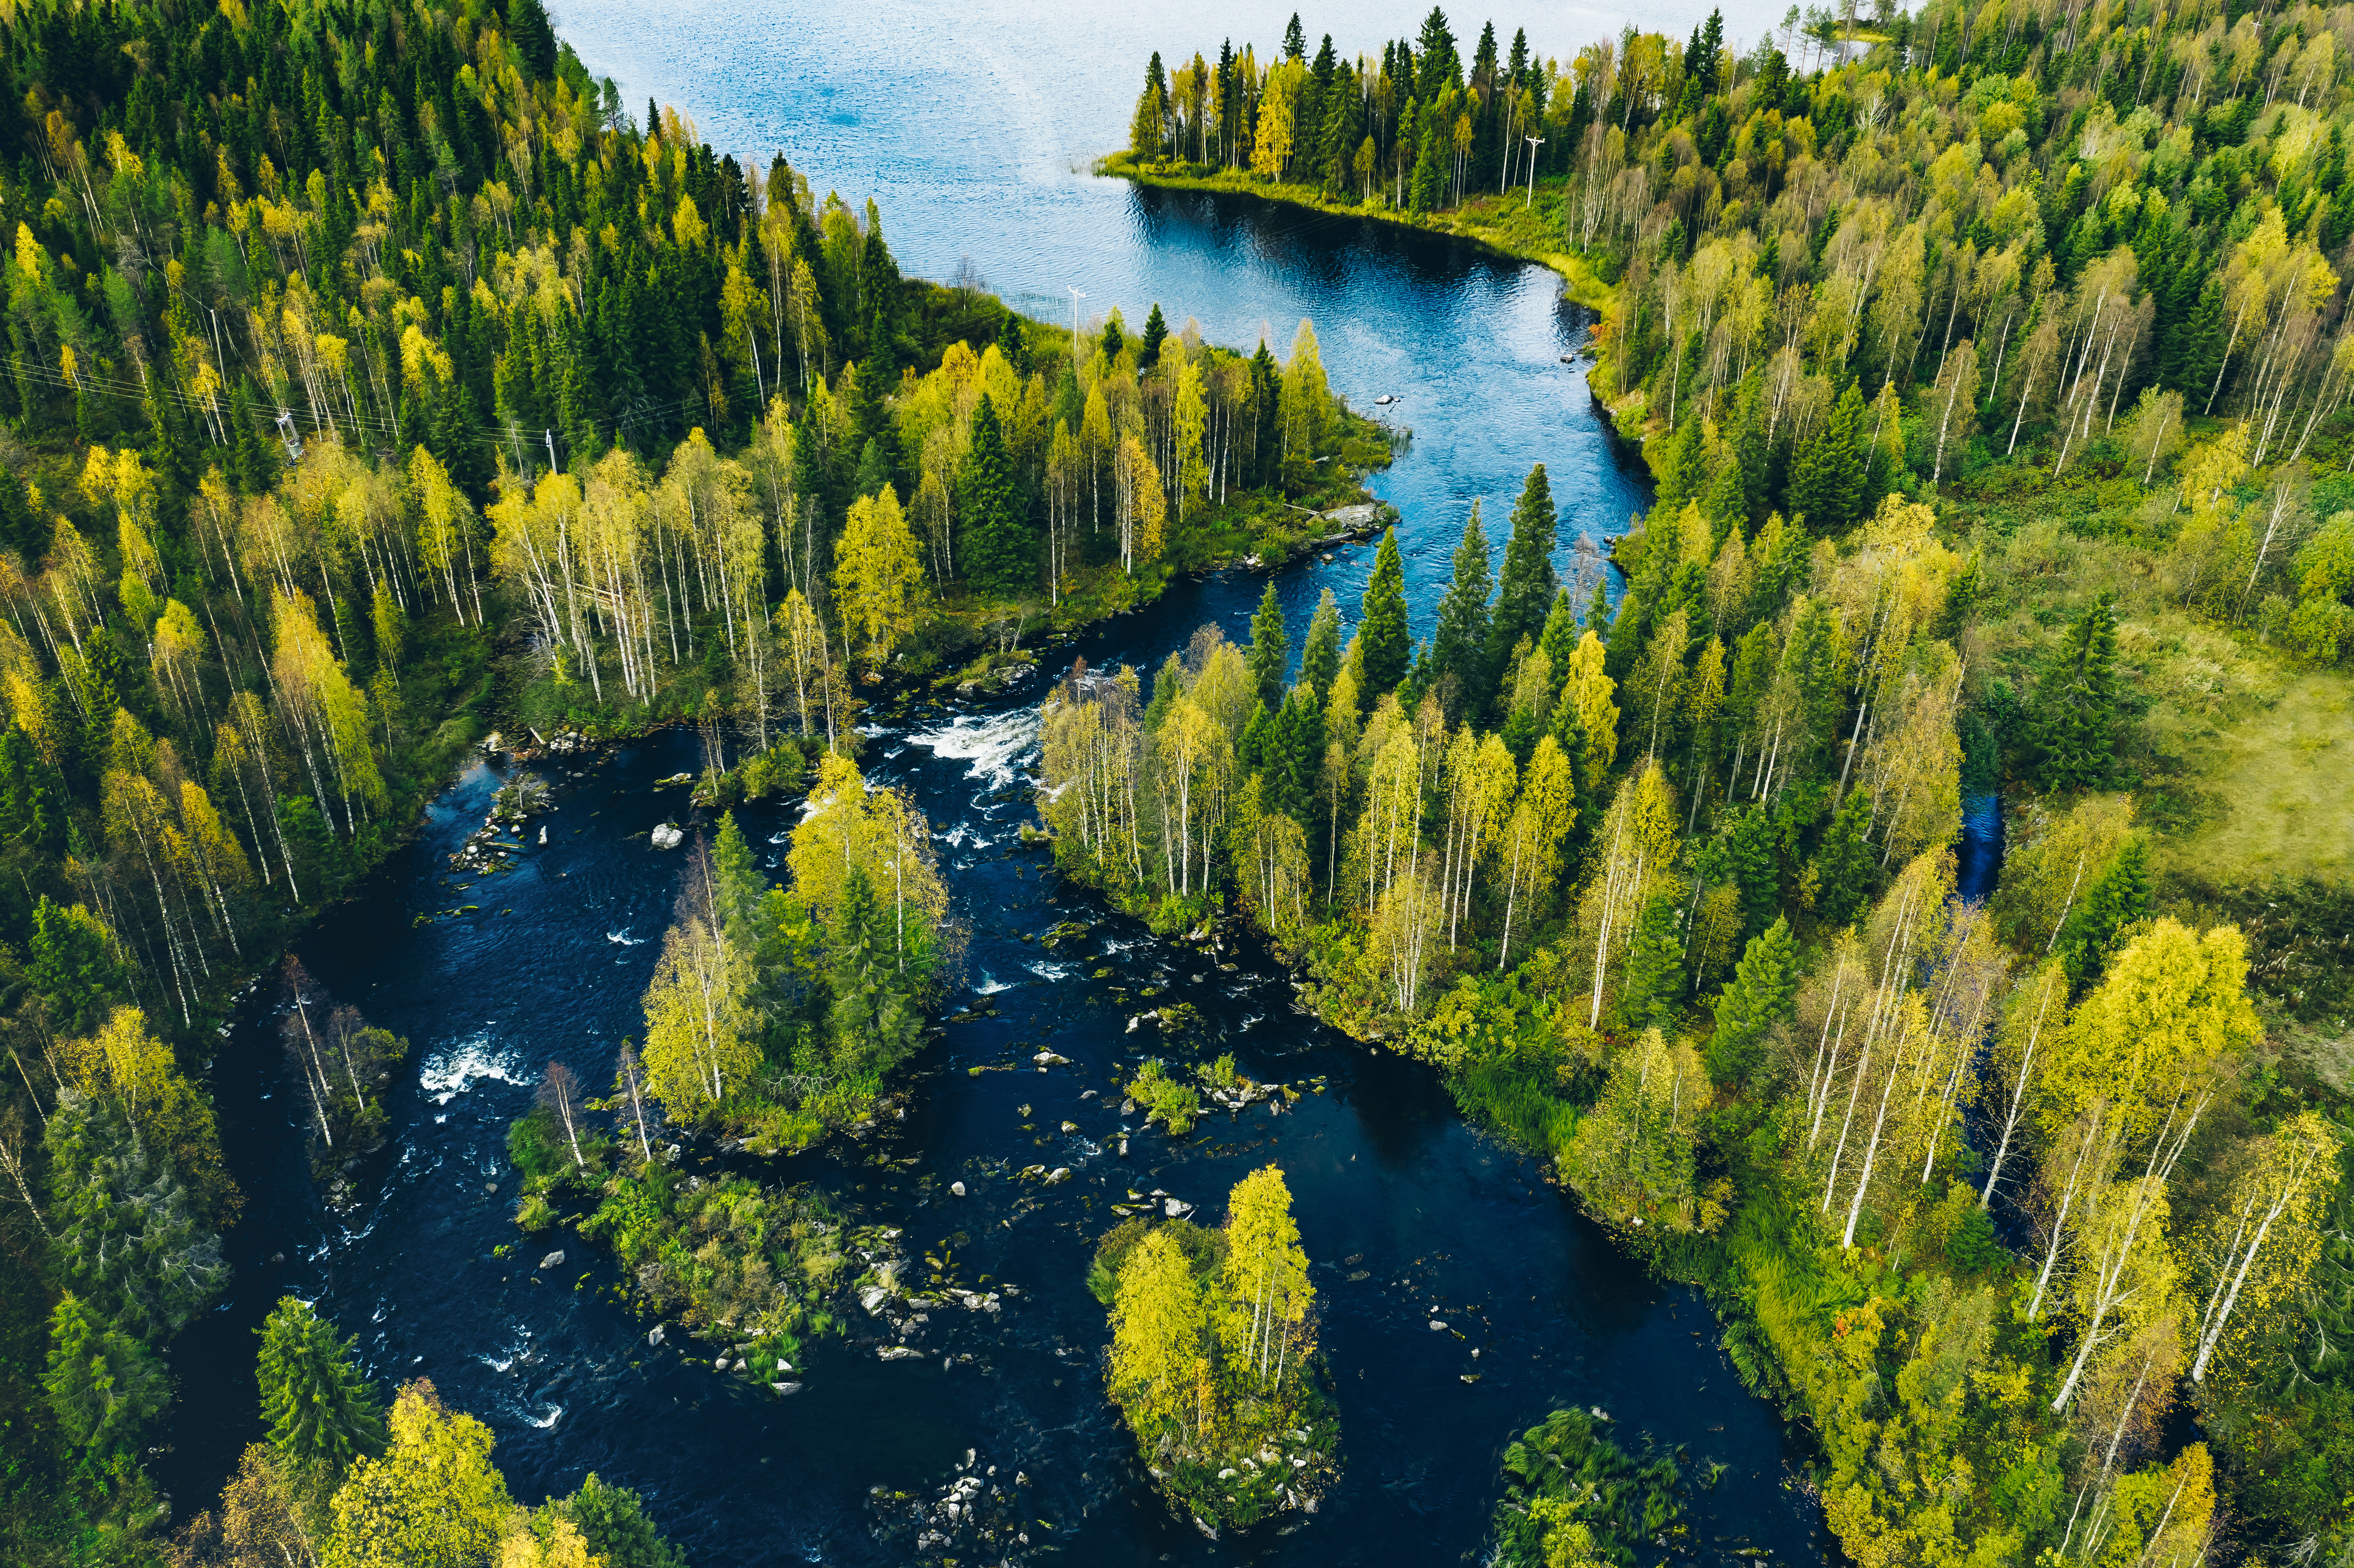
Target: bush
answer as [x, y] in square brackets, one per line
[1163, 1099]
[534, 1213]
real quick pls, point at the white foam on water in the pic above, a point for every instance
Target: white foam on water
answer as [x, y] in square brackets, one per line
[1047, 970]
[554, 1415]
[995, 746]
[989, 985]
[446, 1075]
[623, 937]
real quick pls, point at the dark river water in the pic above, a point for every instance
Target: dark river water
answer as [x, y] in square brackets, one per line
[1414, 1219]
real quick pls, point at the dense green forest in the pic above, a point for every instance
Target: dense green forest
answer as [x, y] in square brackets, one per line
[1992, 363]
[375, 379]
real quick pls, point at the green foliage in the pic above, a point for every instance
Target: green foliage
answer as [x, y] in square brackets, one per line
[1844, 866]
[2076, 705]
[1526, 585]
[1269, 657]
[73, 964]
[1175, 1105]
[1383, 643]
[103, 1383]
[996, 546]
[1573, 1497]
[2106, 913]
[1652, 990]
[318, 1407]
[1459, 646]
[128, 1239]
[1763, 985]
[615, 1528]
[1319, 656]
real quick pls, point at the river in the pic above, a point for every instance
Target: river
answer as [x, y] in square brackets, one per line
[1413, 1218]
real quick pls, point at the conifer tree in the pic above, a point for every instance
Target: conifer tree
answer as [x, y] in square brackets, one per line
[1756, 867]
[1382, 641]
[1654, 980]
[1561, 633]
[1525, 587]
[876, 1021]
[1148, 348]
[1269, 657]
[2076, 705]
[101, 1382]
[994, 544]
[1319, 656]
[1826, 477]
[1764, 984]
[317, 1406]
[1459, 646]
[1843, 865]
[2107, 912]
[1598, 609]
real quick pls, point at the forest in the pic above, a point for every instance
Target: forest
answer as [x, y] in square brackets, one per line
[375, 379]
[2028, 1207]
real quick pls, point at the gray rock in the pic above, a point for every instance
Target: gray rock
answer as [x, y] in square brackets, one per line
[1059, 1174]
[873, 1297]
[1176, 1208]
[667, 837]
[786, 1387]
[661, 1332]
[553, 1260]
[899, 1353]
[958, 1188]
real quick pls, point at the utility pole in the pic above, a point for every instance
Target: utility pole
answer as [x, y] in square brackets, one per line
[1534, 143]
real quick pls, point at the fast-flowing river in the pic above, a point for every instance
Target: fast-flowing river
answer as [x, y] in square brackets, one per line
[965, 123]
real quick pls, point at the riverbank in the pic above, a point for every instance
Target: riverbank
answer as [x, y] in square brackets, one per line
[1516, 224]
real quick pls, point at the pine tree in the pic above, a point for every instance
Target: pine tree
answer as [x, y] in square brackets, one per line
[1654, 981]
[1843, 865]
[996, 549]
[1156, 328]
[1827, 478]
[1459, 646]
[1525, 588]
[1269, 658]
[2077, 703]
[1764, 984]
[317, 1404]
[1319, 656]
[1382, 639]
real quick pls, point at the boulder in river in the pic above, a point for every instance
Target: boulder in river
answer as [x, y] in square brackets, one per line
[786, 1387]
[958, 1188]
[899, 1353]
[661, 1332]
[873, 1297]
[1176, 1208]
[553, 1260]
[667, 837]
[1059, 1174]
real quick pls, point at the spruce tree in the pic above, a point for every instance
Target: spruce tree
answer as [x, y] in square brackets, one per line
[316, 1404]
[1561, 633]
[1843, 865]
[1598, 609]
[876, 1023]
[103, 1383]
[1687, 471]
[1155, 329]
[2077, 703]
[614, 1529]
[1827, 479]
[1269, 657]
[1764, 984]
[2117, 899]
[1382, 627]
[1751, 847]
[995, 550]
[1459, 647]
[1525, 587]
[133, 1246]
[1654, 978]
[1320, 657]
[1298, 752]
[1251, 751]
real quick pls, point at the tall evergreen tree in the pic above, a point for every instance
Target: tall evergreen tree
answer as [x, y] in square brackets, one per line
[996, 547]
[1827, 479]
[1843, 865]
[2077, 703]
[103, 1383]
[1525, 587]
[2117, 899]
[1319, 656]
[1156, 328]
[1459, 647]
[1654, 978]
[316, 1404]
[1598, 609]
[1764, 984]
[1381, 636]
[1269, 658]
